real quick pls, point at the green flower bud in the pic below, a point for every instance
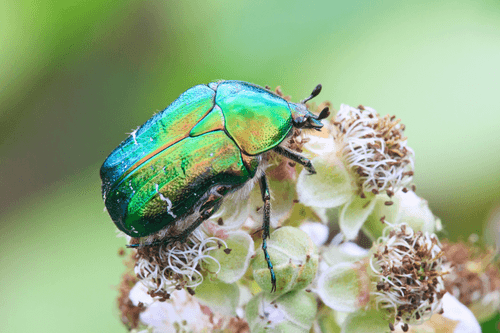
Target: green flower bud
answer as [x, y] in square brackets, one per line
[295, 260]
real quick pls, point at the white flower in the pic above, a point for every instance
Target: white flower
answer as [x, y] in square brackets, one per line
[400, 283]
[374, 148]
[409, 270]
[181, 313]
[163, 269]
[364, 155]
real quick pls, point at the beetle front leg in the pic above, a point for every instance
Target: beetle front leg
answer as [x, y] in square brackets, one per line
[290, 154]
[266, 197]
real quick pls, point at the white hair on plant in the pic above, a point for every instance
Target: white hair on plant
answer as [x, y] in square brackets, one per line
[374, 148]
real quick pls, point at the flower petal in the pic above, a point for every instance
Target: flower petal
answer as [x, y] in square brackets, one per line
[371, 321]
[344, 287]
[181, 310]
[455, 310]
[330, 187]
[139, 294]
[219, 296]
[319, 146]
[292, 312]
[346, 252]
[406, 208]
[318, 232]
[233, 212]
[295, 260]
[234, 259]
[282, 195]
[354, 214]
[415, 211]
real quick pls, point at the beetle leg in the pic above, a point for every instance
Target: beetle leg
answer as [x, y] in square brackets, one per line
[296, 158]
[266, 197]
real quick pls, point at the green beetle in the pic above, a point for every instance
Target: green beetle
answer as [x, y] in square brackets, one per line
[173, 172]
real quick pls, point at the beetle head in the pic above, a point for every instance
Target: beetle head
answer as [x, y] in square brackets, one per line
[303, 118]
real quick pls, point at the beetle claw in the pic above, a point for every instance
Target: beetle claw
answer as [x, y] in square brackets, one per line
[273, 283]
[309, 167]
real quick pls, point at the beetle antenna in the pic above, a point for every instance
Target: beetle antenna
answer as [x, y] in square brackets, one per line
[323, 114]
[314, 93]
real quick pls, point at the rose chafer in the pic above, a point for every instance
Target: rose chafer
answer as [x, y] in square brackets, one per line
[173, 172]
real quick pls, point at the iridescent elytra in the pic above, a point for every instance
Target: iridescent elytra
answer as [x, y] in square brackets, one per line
[174, 171]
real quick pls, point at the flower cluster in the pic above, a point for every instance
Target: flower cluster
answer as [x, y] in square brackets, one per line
[354, 248]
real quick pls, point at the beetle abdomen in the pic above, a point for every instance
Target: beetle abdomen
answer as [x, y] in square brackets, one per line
[172, 183]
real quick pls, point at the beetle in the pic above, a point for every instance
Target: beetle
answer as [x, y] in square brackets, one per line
[173, 172]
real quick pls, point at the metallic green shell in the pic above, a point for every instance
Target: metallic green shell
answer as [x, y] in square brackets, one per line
[256, 119]
[170, 184]
[210, 136]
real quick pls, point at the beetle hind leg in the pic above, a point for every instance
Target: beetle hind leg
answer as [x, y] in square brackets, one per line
[266, 197]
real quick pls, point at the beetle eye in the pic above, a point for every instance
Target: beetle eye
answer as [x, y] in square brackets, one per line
[299, 122]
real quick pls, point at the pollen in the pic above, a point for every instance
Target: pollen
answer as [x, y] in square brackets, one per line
[409, 274]
[375, 149]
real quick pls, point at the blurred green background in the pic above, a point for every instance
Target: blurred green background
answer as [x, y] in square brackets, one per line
[76, 76]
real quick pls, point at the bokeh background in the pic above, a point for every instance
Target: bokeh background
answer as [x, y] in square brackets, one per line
[76, 76]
